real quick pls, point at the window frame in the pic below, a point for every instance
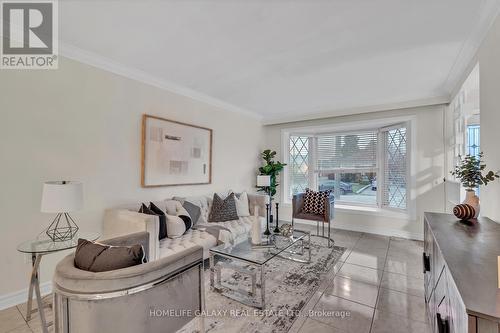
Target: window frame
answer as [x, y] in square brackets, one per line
[381, 156]
[286, 181]
[348, 128]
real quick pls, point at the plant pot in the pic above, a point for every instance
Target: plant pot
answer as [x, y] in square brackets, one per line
[472, 200]
[469, 209]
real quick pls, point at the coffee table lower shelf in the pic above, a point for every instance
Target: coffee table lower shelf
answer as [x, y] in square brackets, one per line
[256, 271]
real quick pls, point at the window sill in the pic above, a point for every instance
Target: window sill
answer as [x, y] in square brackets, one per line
[372, 211]
[366, 210]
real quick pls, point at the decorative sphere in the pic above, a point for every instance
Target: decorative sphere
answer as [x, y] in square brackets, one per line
[464, 211]
[286, 230]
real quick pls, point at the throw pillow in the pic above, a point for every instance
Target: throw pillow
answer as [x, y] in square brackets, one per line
[314, 202]
[175, 208]
[202, 202]
[162, 218]
[175, 226]
[94, 257]
[224, 195]
[193, 211]
[223, 210]
[242, 207]
[163, 223]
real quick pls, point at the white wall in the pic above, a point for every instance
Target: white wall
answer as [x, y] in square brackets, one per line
[83, 123]
[489, 93]
[428, 172]
[488, 58]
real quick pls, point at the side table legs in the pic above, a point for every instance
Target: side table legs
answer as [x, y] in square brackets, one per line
[35, 284]
[32, 281]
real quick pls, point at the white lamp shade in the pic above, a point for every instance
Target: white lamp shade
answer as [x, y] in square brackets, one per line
[62, 197]
[264, 180]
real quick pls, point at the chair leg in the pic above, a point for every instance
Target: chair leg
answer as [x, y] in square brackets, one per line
[331, 242]
[329, 238]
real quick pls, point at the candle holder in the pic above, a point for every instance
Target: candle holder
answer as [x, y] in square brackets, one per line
[277, 228]
[267, 232]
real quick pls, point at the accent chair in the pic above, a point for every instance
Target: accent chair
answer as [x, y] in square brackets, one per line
[326, 218]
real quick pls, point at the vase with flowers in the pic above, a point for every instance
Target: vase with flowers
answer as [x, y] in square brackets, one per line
[471, 173]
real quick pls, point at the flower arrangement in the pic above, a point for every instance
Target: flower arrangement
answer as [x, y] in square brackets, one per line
[470, 172]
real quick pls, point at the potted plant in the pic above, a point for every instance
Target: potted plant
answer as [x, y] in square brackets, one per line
[270, 168]
[470, 172]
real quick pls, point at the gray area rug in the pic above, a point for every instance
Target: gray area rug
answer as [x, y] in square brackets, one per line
[289, 286]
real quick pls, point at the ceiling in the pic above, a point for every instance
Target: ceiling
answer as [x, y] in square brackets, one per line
[283, 59]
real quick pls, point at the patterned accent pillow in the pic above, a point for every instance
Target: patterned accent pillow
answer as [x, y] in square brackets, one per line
[223, 210]
[314, 202]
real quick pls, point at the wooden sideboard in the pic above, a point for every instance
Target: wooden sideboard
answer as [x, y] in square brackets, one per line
[461, 274]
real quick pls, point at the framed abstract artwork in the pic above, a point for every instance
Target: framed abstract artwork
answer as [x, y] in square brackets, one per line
[175, 153]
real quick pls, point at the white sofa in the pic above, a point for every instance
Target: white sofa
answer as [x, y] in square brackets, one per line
[126, 220]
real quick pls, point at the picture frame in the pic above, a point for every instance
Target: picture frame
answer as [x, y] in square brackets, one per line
[174, 153]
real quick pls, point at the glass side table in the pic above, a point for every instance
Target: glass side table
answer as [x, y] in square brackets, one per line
[38, 248]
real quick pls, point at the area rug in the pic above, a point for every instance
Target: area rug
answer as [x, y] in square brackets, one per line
[289, 286]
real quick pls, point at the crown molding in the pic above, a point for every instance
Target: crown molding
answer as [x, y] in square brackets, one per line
[437, 100]
[466, 58]
[98, 61]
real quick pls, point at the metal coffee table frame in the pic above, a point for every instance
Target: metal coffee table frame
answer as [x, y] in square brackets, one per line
[251, 298]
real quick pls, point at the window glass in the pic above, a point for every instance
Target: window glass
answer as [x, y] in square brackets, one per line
[347, 151]
[298, 164]
[394, 192]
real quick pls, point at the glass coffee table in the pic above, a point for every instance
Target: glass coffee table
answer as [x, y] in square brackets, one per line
[250, 260]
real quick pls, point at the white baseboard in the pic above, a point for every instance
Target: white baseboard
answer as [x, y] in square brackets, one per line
[371, 230]
[21, 296]
[382, 231]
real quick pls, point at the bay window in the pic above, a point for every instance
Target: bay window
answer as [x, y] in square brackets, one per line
[367, 167]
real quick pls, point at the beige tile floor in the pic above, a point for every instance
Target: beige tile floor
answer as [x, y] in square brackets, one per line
[13, 320]
[378, 282]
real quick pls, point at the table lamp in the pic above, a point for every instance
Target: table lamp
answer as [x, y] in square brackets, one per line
[62, 198]
[263, 181]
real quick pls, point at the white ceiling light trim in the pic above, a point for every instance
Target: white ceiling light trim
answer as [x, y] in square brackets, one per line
[95, 60]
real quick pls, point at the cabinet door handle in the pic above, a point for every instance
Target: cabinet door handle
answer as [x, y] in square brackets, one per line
[426, 262]
[442, 324]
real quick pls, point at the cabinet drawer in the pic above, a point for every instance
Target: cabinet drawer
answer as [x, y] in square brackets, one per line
[459, 320]
[427, 259]
[437, 264]
[441, 305]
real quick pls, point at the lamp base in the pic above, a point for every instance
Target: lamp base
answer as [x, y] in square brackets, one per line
[62, 230]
